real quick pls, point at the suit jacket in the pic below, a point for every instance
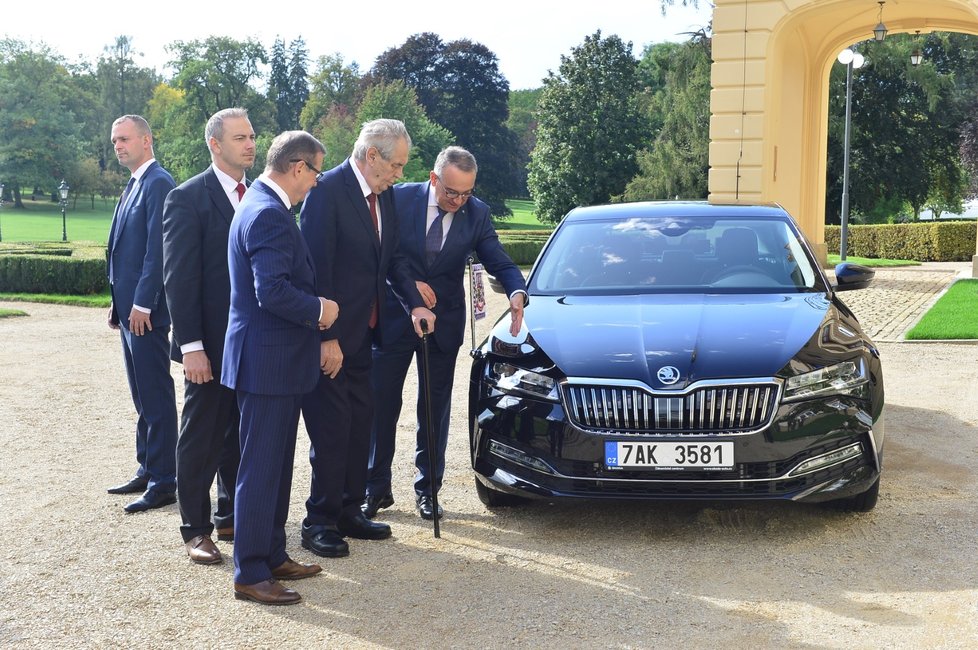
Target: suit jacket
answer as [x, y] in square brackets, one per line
[272, 342]
[136, 249]
[196, 222]
[471, 230]
[352, 265]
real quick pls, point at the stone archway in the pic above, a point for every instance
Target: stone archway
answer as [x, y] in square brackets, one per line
[769, 104]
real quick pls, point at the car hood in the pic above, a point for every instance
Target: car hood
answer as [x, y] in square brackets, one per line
[704, 336]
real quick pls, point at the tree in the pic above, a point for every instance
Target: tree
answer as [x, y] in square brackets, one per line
[522, 122]
[211, 75]
[298, 80]
[590, 128]
[288, 86]
[333, 85]
[40, 135]
[278, 84]
[460, 87]
[677, 96]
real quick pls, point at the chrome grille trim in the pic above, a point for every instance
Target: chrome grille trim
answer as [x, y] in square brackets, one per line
[617, 407]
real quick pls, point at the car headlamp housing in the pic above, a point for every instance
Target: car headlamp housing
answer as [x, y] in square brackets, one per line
[846, 378]
[513, 379]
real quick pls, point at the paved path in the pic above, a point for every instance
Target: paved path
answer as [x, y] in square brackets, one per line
[899, 296]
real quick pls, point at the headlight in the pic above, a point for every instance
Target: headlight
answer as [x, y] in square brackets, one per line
[841, 379]
[509, 378]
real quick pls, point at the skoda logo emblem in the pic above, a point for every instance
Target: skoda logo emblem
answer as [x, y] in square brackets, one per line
[668, 374]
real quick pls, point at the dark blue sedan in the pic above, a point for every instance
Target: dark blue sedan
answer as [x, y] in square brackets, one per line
[680, 350]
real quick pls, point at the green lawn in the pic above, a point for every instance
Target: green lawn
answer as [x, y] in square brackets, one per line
[872, 262]
[98, 300]
[952, 316]
[41, 221]
[522, 219]
[7, 313]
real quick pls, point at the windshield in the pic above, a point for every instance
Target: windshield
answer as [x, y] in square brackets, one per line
[669, 254]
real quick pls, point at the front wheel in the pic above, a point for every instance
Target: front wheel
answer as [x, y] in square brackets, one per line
[495, 499]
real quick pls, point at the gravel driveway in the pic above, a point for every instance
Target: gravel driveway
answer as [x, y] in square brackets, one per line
[78, 571]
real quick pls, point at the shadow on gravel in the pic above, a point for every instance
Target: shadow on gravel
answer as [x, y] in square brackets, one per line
[638, 574]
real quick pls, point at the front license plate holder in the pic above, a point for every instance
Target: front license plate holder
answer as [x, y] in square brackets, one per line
[668, 455]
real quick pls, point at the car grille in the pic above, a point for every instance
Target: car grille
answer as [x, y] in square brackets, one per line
[738, 408]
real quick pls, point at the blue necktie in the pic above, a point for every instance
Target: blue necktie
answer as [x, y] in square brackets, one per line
[432, 241]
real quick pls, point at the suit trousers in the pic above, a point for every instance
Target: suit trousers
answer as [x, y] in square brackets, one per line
[147, 360]
[264, 487]
[338, 415]
[390, 367]
[208, 445]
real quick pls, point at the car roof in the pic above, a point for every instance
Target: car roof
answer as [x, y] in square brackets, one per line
[686, 209]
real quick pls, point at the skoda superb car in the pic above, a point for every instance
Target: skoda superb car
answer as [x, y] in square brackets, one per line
[680, 351]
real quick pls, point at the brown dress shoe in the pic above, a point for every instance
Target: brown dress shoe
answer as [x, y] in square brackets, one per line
[203, 551]
[268, 592]
[225, 534]
[292, 570]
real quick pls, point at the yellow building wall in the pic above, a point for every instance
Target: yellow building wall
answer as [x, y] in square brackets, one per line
[769, 98]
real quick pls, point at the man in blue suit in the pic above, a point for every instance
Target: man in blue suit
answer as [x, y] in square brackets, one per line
[139, 311]
[440, 223]
[196, 221]
[350, 224]
[271, 359]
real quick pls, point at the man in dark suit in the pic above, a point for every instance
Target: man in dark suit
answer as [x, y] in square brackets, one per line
[139, 311]
[350, 224]
[440, 223]
[196, 220]
[271, 359]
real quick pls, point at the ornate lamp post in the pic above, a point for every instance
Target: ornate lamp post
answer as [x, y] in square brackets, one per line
[1, 206]
[63, 191]
[851, 60]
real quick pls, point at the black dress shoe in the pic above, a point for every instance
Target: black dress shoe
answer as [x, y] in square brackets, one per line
[375, 502]
[135, 484]
[354, 524]
[152, 499]
[426, 507]
[324, 541]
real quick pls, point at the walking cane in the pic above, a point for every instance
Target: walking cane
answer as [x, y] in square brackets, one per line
[429, 433]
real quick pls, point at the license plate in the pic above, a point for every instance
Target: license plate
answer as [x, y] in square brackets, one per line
[668, 455]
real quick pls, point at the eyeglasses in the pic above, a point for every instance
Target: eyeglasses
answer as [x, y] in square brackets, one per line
[453, 194]
[314, 170]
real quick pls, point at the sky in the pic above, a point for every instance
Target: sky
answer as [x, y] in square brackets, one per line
[527, 36]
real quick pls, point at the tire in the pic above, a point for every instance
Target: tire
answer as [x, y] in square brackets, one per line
[862, 502]
[495, 499]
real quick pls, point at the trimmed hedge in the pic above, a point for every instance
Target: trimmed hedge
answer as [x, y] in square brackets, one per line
[927, 241]
[33, 268]
[523, 246]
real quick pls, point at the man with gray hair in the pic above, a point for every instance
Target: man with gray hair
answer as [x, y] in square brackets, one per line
[350, 224]
[271, 359]
[196, 220]
[441, 223]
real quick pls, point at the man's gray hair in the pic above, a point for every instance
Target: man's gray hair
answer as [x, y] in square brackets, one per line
[290, 146]
[141, 124]
[456, 157]
[215, 125]
[383, 134]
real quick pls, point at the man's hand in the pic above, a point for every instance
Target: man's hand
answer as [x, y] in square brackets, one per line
[112, 320]
[422, 313]
[330, 358]
[139, 322]
[331, 310]
[427, 294]
[516, 312]
[197, 367]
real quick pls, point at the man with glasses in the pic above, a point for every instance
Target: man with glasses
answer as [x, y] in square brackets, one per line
[441, 223]
[350, 224]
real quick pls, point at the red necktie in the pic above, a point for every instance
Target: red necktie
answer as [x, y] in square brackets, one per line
[374, 310]
[240, 189]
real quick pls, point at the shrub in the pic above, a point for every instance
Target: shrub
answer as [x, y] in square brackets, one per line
[931, 241]
[36, 268]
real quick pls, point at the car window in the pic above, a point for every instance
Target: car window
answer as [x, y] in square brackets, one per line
[649, 255]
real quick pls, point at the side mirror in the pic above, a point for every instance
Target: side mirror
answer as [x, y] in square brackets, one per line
[852, 276]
